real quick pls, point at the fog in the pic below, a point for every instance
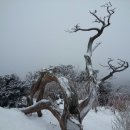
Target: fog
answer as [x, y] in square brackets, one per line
[33, 36]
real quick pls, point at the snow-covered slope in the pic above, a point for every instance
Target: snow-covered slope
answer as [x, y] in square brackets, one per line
[13, 119]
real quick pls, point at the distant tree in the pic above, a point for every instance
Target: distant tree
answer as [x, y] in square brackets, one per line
[104, 93]
[12, 90]
[31, 78]
[73, 113]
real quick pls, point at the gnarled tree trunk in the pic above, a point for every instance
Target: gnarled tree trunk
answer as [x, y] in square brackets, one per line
[70, 118]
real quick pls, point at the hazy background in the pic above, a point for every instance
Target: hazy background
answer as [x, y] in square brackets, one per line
[32, 35]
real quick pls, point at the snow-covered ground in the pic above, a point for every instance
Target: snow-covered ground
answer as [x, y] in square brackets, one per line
[13, 119]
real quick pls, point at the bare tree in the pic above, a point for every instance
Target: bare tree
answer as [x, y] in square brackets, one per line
[71, 117]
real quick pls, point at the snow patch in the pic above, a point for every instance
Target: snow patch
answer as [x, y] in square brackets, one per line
[72, 126]
[14, 119]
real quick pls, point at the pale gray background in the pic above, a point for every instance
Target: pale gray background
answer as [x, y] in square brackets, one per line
[32, 35]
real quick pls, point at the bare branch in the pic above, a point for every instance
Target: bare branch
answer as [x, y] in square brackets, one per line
[104, 65]
[71, 106]
[110, 65]
[109, 11]
[77, 28]
[96, 46]
[99, 20]
[105, 23]
[122, 65]
[87, 104]
[106, 19]
[43, 104]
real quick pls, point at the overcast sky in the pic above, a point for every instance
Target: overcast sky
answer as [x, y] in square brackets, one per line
[32, 34]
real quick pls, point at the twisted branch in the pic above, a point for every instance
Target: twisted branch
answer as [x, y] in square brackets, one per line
[122, 65]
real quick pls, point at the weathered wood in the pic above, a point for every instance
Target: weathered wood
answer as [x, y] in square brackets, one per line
[73, 113]
[70, 114]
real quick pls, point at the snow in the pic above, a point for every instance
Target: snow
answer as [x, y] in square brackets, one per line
[74, 120]
[102, 120]
[71, 125]
[60, 103]
[13, 119]
[89, 106]
[65, 85]
[37, 103]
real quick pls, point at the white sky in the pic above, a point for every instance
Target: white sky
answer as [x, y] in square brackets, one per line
[32, 34]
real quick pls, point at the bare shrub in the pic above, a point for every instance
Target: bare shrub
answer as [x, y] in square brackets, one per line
[122, 120]
[122, 114]
[118, 101]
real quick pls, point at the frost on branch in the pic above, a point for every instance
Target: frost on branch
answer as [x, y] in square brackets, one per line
[70, 110]
[65, 86]
[73, 113]
[122, 65]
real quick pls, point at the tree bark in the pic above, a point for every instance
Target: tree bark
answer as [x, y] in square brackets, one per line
[73, 113]
[69, 118]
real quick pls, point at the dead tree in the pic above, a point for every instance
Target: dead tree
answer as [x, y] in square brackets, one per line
[71, 117]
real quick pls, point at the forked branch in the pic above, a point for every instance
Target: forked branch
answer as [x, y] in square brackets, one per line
[122, 65]
[41, 105]
[109, 11]
[94, 48]
[73, 111]
[71, 107]
[77, 28]
[105, 21]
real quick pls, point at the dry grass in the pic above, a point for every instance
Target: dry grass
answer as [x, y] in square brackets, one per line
[122, 118]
